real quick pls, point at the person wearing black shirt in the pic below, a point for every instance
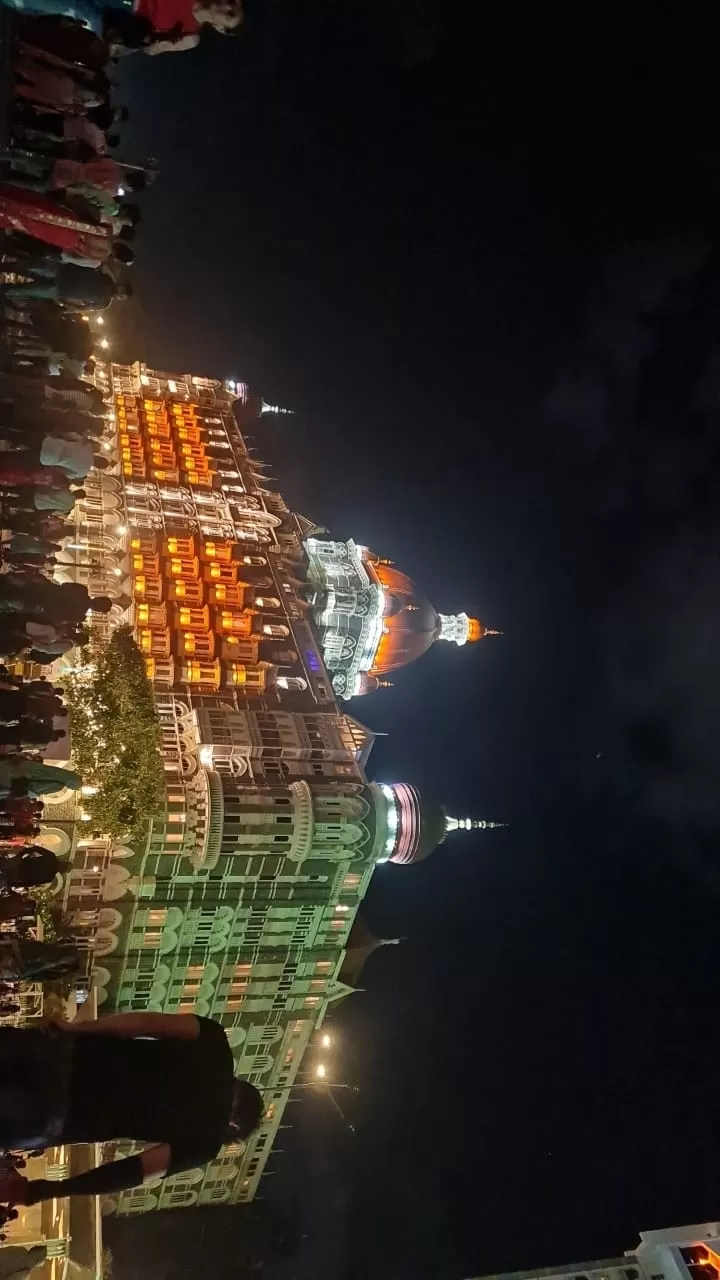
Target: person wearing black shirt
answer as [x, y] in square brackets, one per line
[164, 1079]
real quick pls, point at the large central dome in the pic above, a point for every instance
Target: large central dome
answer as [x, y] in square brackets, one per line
[371, 618]
[410, 624]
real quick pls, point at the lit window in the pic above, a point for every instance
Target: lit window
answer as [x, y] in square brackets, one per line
[311, 1001]
[152, 940]
[174, 837]
[176, 817]
[172, 386]
[158, 916]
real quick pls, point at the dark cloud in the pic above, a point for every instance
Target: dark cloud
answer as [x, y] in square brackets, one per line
[641, 429]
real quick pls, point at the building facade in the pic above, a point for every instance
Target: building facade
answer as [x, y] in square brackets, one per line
[238, 902]
[678, 1253]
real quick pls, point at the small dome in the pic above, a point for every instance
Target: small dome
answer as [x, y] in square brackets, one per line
[418, 824]
[248, 407]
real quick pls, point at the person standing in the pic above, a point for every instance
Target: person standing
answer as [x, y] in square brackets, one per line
[79, 288]
[49, 1093]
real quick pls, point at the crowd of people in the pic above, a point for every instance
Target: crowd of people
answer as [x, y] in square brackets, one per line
[151, 26]
[68, 216]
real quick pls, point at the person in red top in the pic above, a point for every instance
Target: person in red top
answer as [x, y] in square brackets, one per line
[44, 219]
[177, 23]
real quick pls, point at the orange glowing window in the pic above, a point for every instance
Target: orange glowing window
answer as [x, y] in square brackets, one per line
[150, 668]
[243, 969]
[220, 593]
[140, 585]
[232, 1006]
[138, 562]
[189, 642]
[215, 571]
[238, 988]
[195, 971]
[143, 613]
[239, 674]
[180, 589]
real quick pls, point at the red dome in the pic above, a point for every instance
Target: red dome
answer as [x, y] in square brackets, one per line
[410, 624]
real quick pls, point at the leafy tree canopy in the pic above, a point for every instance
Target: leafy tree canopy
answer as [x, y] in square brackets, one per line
[115, 736]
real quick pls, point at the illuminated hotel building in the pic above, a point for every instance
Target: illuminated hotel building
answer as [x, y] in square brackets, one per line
[680, 1253]
[239, 901]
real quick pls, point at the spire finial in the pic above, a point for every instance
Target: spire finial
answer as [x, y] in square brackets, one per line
[472, 824]
[274, 408]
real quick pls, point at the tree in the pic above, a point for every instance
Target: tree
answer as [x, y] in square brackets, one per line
[115, 736]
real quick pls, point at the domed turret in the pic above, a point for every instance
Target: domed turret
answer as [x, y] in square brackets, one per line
[415, 825]
[250, 406]
[372, 619]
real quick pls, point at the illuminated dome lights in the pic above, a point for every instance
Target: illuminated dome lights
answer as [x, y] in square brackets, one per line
[415, 826]
[460, 629]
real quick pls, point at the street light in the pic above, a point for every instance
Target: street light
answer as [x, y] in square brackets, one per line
[104, 344]
[321, 1071]
[326, 1041]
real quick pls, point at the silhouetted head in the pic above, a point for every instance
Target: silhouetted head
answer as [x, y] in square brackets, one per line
[100, 604]
[123, 254]
[247, 1110]
[130, 213]
[135, 180]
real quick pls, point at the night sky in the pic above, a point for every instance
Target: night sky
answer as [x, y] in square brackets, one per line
[479, 257]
